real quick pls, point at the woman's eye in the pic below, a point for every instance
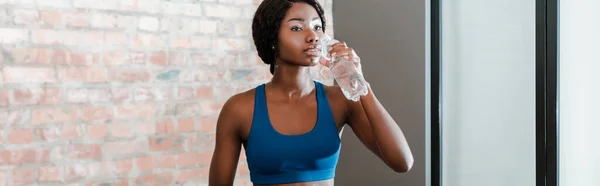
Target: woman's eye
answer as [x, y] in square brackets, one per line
[296, 28]
[318, 28]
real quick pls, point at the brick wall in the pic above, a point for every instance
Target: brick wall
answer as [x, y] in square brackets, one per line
[120, 92]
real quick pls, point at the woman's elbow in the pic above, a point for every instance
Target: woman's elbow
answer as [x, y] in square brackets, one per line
[404, 165]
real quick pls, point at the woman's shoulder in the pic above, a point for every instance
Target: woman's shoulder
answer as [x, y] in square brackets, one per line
[240, 103]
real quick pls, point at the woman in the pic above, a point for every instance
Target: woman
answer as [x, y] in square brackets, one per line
[290, 127]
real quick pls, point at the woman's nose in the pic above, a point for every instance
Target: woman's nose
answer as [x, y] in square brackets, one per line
[312, 37]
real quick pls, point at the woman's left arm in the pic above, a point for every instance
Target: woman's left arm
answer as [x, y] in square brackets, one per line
[371, 122]
[374, 126]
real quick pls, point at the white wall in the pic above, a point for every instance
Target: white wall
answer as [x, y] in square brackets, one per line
[488, 93]
[579, 141]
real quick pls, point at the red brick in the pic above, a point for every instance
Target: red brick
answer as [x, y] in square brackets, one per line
[146, 41]
[51, 17]
[225, 91]
[99, 169]
[48, 134]
[185, 93]
[125, 148]
[75, 171]
[144, 128]
[115, 39]
[242, 155]
[177, 58]
[150, 6]
[54, 4]
[28, 75]
[242, 170]
[158, 58]
[187, 175]
[165, 127]
[13, 35]
[93, 113]
[14, 117]
[228, 44]
[130, 75]
[4, 98]
[24, 156]
[91, 38]
[210, 76]
[76, 19]
[121, 94]
[195, 42]
[167, 143]
[88, 95]
[187, 109]
[97, 131]
[204, 157]
[26, 97]
[127, 22]
[165, 178]
[205, 59]
[83, 151]
[31, 55]
[52, 115]
[145, 163]
[201, 141]
[49, 174]
[208, 124]
[211, 108]
[204, 92]
[222, 11]
[124, 166]
[164, 93]
[82, 75]
[121, 130]
[187, 159]
[135, 111]
[186, 125]
[23, 176]
[51, 96]
[20, 136]
[71, 132]
[93, 4]
[242, 181]
[56, 37]
[103, 20]
[148, 23]
[27, 17]
[72, 57]
[200, 42]
[144, 94]
[123, 58]
[166, 161]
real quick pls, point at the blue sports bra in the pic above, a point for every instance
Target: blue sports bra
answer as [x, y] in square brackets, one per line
[275, 158]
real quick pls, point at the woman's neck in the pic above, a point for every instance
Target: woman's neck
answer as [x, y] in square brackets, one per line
[293, 81]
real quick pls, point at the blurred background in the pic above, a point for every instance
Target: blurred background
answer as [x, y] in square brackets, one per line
[119, 92]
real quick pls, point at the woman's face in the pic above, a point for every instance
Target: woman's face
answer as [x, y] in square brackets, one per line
[299, 35]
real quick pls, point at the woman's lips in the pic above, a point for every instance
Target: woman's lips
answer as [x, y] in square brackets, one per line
[313, 52]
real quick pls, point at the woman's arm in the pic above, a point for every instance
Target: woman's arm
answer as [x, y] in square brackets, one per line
[371, 122]
[374, 126]
[225, 157]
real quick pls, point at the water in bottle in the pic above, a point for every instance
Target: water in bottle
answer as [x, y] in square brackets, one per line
[345, 73]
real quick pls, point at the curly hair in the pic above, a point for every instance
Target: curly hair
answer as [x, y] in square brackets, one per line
[266, 22]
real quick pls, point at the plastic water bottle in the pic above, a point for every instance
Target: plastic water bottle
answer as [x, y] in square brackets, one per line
[344, 71]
